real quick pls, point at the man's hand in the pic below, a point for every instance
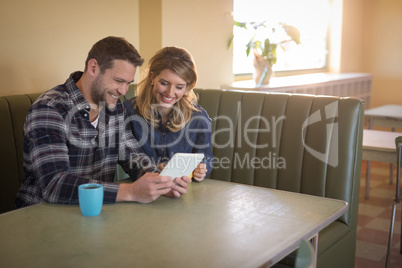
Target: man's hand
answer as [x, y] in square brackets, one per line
[147, 188]
[200, 172]
[180, 187]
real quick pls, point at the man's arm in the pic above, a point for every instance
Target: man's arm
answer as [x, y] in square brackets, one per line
[48, 157]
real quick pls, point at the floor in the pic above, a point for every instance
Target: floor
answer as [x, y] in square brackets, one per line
[374, 220]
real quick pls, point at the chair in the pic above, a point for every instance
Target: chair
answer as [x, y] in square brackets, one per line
[398, 142]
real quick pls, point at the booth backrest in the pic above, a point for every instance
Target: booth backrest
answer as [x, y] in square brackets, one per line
[300, 143]
[13, 110]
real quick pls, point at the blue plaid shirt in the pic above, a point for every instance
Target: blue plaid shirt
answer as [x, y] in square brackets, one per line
[161, 143]
[63, 150]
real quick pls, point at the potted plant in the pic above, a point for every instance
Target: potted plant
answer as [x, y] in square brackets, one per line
[264, 41]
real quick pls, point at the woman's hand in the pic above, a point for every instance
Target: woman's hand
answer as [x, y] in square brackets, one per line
[200, 172]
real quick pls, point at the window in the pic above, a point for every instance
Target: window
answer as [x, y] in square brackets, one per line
[310, 17]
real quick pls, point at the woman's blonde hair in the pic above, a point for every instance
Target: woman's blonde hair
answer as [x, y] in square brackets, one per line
[179, 61]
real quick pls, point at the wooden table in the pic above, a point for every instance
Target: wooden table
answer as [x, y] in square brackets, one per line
[378, 146]
[216, 224]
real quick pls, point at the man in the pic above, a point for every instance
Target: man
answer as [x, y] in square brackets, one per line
[75, 134]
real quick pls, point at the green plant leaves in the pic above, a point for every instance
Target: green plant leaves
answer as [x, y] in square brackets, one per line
[230, 41]
[265, 45]
[240, 24]
[292, 32]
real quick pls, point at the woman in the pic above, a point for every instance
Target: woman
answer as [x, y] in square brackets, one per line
[165, 117]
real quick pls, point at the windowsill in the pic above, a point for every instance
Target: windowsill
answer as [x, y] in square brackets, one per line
[249, 76]
[333, 84]
[295, 81]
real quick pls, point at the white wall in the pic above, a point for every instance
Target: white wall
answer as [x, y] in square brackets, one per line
[203, 27]
[43, 41]
[383, 49]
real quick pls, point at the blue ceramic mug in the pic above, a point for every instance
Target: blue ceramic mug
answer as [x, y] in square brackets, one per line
[90, 197]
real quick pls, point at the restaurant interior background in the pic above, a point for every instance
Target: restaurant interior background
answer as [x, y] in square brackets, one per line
[43, 41]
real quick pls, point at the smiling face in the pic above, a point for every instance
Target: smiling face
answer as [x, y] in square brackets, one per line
[168, 89]
[113, 83]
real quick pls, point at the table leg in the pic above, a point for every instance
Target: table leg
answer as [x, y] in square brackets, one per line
[314, 242]
[400, 239]
[367, 179]
[391, 166]
[368, 165]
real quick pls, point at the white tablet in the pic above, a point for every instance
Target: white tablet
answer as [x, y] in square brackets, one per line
[182, 164]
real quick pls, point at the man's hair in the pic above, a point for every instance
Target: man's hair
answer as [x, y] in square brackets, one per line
[113, 48]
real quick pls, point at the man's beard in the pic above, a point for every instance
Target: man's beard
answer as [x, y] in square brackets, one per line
[97, 94]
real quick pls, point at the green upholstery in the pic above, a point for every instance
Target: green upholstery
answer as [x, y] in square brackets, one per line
[259, 125]
[247, 127]
[13, 110]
